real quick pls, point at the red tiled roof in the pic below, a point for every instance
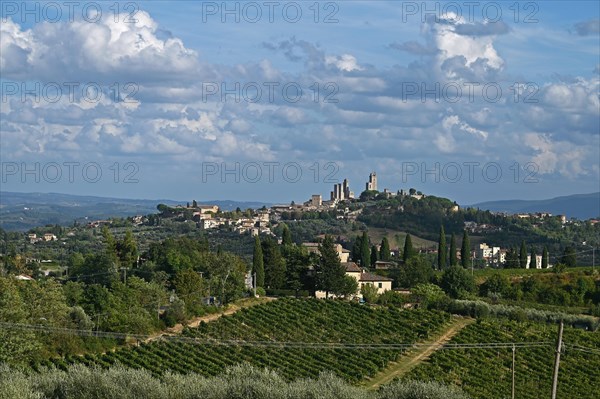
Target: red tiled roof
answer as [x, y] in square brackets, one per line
[373, 277]
[352, 267]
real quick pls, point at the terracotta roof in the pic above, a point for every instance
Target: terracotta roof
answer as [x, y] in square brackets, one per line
[373, 277]
[352, 267]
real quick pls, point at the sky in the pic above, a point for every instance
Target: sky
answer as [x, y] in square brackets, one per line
[275, 101]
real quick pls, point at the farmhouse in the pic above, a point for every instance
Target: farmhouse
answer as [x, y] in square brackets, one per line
[363, 278]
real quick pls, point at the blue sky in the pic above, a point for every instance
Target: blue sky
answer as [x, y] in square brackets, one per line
[496, 101]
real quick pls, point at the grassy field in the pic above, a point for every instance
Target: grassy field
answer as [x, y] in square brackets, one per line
[396, 238]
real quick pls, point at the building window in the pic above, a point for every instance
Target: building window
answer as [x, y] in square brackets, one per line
[380, 285]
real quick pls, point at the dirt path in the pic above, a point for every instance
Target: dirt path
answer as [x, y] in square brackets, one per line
[414, 356]
[195, 322]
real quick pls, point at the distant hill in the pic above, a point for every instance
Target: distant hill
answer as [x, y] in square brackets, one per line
[580, 206]
[22, 211]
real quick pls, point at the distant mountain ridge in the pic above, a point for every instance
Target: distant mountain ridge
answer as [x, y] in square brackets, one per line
[22, 211]
[580, 206]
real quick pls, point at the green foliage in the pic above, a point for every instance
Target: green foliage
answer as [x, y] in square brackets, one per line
[374, 255]
[465, 250]
[532, 256]
[365, 255]
[453, 259]
[286, 236]
[523, 255]
[545, 258]
[330, 274]
[457, 282]
[415, 271]
[237, 382]
[409, 251]
[496, 284]
[442, 250]
[569, 257]
[368, 195]
[174, 254]
[369, 293]
[258, 266]
[275, 271]
[559, 268]
[391, 298]
[428, 294]
[355, 253]
[348, 288]
[384, 251]
[127, 250]
[191, 288]
[297, 263]
[420, 217]
[176, 313]
[420, 390]
[512, 258]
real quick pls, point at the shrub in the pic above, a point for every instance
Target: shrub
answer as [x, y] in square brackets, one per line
[419, 390]
[238, 382]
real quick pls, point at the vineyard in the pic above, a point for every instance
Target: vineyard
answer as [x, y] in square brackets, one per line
[486, 373]
[282, 335]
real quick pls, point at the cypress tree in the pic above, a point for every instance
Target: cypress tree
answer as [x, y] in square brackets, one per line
[532, 262]
[465, 250]
[286, 236]
[442, 249]
[330, 272]
[274, 265]
[365, 255]
[453, 260]
[374, 257]
[545, 258]
[523, 255]
[408, 252]
[384, 251]
[258, 265]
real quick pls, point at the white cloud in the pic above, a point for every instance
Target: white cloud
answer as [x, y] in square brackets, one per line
[551, 157]
[93, 51]
[344, 62]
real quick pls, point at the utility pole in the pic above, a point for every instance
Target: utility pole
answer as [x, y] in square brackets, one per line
[557, 360]
[513, 372]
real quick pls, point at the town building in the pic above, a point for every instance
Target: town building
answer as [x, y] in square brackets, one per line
[313, 248]
[372, 183]
[316, 200]
[492, 256]
[341, 191]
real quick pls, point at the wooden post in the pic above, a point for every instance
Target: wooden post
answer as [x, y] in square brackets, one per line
[513, 372]
[557, 360]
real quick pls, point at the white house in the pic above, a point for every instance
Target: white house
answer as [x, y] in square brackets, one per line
[363, 278]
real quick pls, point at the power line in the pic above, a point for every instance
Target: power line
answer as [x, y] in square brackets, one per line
[273, 344]
[592, 351]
